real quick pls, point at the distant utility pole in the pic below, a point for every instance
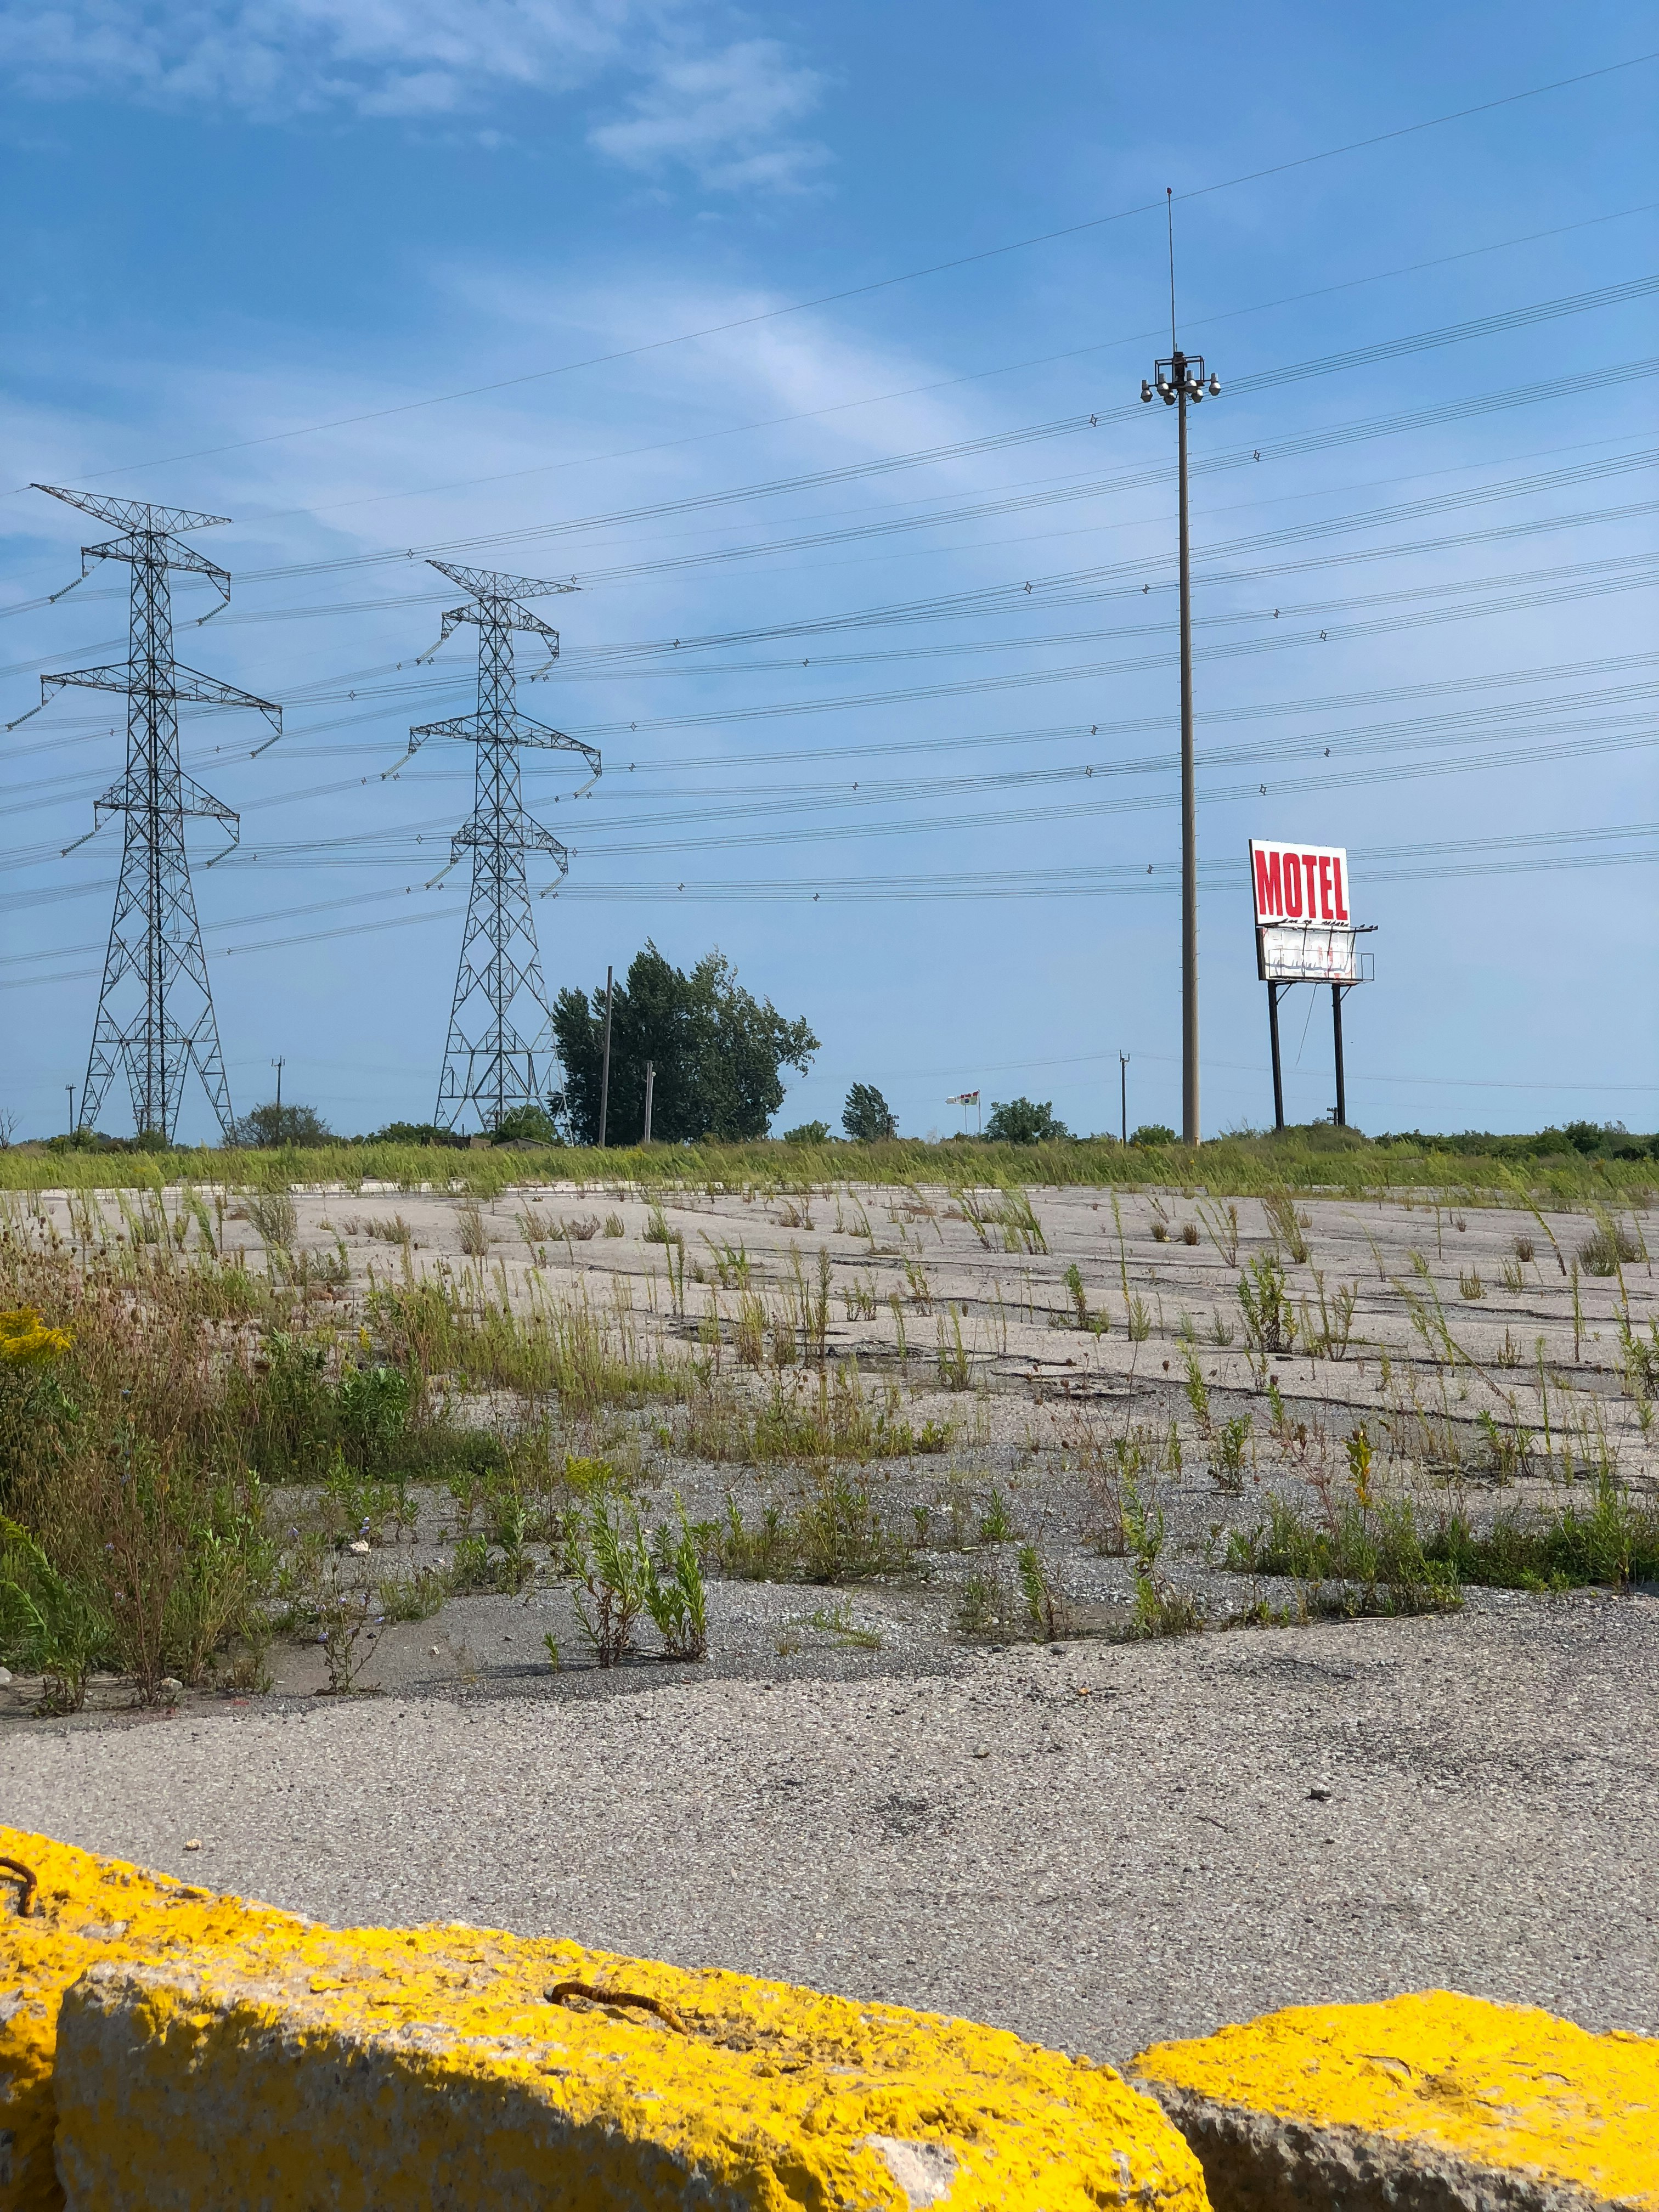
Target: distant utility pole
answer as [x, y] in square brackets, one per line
[1123, 1080]
[277, 1064]
[604, 1076]
[500, 959]
[155, 1017]
[69, 1087]
[650, 1093]
[1176, 380]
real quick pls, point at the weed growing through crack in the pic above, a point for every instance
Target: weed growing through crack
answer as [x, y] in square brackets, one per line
[1047, 1614]
[417, 1595]
[350, 1624]
[1269, 1323]
[836, 1622]
[1609, 1246]
[610, 1563]
[1285, 1225]
[675, 1595]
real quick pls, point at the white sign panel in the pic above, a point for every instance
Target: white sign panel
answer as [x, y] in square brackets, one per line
[1304, 932]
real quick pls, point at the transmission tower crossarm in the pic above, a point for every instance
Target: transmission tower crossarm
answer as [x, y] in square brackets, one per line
[133, 514]
[508, 614]
[116, 679]
[191, 799]
[520, 731]
[187, 687]
[487, 584]
[525, 835]
[178, 556]
[199, 690]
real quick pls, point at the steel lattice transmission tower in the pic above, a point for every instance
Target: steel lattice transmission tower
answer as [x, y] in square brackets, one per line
[489, 1064]
[155, 1017]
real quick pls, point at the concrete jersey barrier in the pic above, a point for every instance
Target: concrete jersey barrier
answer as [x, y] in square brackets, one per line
[211, 2054]
[1430, 2100]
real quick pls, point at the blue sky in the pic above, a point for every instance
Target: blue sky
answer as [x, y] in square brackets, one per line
[333, 268]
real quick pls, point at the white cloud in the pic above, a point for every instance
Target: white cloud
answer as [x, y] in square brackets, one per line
[721, 115]
[724, 111]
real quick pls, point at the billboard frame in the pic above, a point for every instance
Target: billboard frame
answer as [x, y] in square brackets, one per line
[1329, 948]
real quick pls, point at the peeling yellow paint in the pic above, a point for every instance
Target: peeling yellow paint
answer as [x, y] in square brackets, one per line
[1505, 2087]
[781, 2095]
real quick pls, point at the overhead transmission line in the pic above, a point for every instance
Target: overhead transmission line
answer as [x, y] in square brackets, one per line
[1513, 855]
[883, 466]
[1554, 588]
[904, 276]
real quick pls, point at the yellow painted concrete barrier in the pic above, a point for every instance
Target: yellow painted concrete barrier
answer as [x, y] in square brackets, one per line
[1428, 2100]
[81, 1910]
[271, 2064]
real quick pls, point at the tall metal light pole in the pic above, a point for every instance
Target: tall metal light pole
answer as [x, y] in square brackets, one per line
[1175, 381]
[604, 1076]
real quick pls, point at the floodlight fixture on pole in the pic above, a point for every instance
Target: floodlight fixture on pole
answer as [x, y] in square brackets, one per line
[489, 1068]
[1178, 380]
[155, 1020]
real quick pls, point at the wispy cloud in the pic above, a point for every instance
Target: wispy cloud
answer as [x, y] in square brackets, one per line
[723, 111]
[725, 116]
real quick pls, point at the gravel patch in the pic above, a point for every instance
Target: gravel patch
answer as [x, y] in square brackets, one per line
[1093, 1844]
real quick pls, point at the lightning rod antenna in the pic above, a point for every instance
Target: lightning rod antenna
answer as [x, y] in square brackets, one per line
[1169, 204]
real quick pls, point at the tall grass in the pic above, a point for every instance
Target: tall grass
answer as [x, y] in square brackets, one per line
[451, 1334]
[150, 1399]
[1338, 1162]
[1611, 1542]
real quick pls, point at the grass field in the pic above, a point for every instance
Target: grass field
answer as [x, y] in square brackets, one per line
[1313, 1159]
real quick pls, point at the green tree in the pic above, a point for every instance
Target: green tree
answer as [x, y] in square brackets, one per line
[1022, 1122]
[414, 1133]
[532, 1121]
[866, 1117]
[718, 1052]
[1153, 1133]
[269, 1126]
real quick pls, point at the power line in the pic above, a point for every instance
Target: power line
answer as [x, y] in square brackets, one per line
[906, 277]
[1121, 879]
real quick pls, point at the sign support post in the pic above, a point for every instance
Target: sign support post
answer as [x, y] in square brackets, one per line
[1341, 1087]
[1274, 990]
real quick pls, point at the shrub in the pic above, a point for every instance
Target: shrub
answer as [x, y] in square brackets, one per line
[808, 1132]
[1153, 1133]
